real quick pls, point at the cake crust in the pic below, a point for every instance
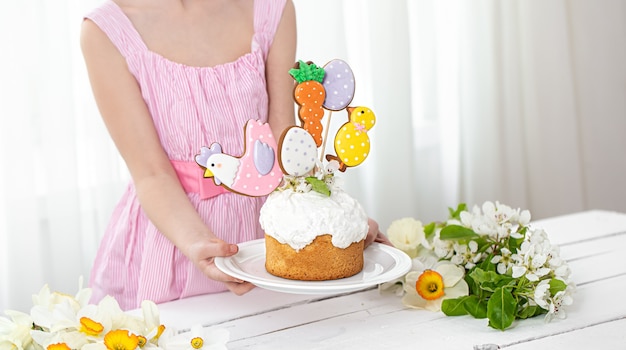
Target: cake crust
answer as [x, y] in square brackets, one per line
[318, 261]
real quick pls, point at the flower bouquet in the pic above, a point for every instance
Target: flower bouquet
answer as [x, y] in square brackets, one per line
[487, 263]
[62, 322]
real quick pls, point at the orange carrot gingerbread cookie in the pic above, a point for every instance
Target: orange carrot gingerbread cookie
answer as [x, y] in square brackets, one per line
[310, 94]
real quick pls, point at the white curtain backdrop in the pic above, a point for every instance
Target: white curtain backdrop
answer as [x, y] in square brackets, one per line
[520, 101]
[60, 173]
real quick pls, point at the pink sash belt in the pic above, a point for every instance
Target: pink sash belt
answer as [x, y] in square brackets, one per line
[191, 176]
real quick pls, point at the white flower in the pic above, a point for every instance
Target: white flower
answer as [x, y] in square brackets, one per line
[524, 218]
[332, 167]
[554, 304]
[443, 249]
[502, 214]
[303, 187]
[542, 294]
[148, 329]
[537, 258]
[15, 331]
[562, 298]
[503, 260]
[423, 262]
[330, 181]
[407, 234]
[466, 255]
[532, 269]
[428, 288]
[48, 300]
[61, 324]
[495, 220]
[69, 321]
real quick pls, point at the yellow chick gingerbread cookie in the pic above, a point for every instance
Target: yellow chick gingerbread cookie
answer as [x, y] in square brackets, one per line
[352, 144]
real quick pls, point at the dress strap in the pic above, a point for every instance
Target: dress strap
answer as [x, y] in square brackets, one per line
[267, 16]
[118, 27]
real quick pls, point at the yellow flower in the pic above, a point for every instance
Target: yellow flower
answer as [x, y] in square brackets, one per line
[428, 288]
[197, 343]
[120, 340]
[197, 338]
[90, 327]
[142, 341]
[429, 285]
[407, 234]
[58, 346]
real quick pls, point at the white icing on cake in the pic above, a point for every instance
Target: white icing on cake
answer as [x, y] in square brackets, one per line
[296, 218]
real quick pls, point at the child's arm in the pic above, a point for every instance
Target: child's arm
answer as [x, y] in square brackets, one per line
[374, 234]
[280, 84]
[160, 193]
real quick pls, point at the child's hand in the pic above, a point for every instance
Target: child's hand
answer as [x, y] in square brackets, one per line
[203, 255]
[374, 234]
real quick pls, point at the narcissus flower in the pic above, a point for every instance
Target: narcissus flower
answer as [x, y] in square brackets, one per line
[15, 333]
[59, 321]
[407, 234]
[120, 339]
[427, 289]
[198, 338]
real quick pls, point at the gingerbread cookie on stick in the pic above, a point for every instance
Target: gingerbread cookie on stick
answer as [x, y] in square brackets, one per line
[256, 173]
[310, 95]
[352, 144]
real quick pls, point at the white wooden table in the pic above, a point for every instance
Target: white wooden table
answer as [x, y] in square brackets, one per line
[593, 243]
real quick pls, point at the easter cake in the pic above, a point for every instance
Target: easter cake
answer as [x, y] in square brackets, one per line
[314, 231]
[313, 236]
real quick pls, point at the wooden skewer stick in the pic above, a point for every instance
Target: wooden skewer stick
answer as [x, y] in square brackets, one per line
[330, 114]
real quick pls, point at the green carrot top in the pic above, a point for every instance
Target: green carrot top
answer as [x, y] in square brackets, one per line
[306, 72]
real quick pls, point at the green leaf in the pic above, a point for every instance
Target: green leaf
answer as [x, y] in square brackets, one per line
[486, 264]
[483, 244]
[456, 214]
[475, 306]
[556, 285]
[514, 243]
[501, 309]
[454, 307]
[318, 185]
[429, 229]
[479, 275]
[490, 280]
[457, 232]
[530, 311]
[474, 288]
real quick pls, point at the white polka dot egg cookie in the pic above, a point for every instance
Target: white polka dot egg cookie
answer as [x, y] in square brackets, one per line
[298, 152]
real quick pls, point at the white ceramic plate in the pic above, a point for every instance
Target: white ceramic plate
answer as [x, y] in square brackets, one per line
[382, 263]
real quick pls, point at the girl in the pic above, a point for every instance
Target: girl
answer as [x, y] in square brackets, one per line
[171, 76]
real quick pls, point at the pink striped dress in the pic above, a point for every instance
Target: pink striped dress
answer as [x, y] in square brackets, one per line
[191, 107]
